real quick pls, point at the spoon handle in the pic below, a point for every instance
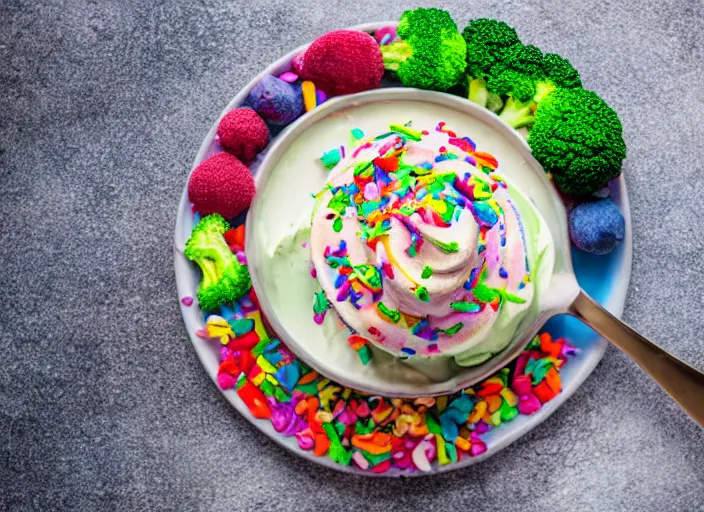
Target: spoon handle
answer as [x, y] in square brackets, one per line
[681, 381]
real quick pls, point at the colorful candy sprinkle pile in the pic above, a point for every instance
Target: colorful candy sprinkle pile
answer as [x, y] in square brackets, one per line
[372, 432]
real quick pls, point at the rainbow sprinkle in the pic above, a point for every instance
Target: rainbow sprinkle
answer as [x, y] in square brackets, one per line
[374, 433]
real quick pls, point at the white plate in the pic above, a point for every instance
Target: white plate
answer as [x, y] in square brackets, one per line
[605, 278]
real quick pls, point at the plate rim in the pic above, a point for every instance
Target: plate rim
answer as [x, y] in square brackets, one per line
[511, 432]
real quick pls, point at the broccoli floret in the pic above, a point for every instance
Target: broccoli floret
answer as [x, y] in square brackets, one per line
[488, 41]
[224, 278]
[561, 72]
[545, 73]
[578, 139]
[516, 77]
[431, 53]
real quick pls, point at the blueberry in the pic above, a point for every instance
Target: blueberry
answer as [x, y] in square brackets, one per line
[278, 102]
[596, 227]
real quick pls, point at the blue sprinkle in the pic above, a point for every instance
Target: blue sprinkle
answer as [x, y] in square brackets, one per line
[503, 273]
[340, 280]
[426, 165]
[408, 351]
[521, 285]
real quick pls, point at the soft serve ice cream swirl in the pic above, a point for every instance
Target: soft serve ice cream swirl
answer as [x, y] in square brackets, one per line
[420, 248]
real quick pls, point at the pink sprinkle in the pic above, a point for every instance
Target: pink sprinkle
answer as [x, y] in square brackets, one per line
[313, 273]
[360, 461]
[226, 381]
[371, 191]
[187, 301]
[320, 96]
[242, 258]
[304, 244]
[305, 442]
[528, 404]
[478, 447]
[288, 77]
[318, 318]
[443, 149]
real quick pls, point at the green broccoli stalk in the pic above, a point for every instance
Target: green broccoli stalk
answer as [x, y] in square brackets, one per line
[431, 53]
[578, 139]
[488, 41]
[224, 278]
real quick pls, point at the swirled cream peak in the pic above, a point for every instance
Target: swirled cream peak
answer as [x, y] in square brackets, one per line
[417, 244]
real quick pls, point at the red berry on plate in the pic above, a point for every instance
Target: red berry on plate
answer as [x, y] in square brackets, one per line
[221, 184]
[243, 133]
[343, 62]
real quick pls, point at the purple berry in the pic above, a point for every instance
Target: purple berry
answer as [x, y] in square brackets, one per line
[278, 102]
[597, 227]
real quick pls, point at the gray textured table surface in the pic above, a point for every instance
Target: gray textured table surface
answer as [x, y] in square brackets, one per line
[103, 403]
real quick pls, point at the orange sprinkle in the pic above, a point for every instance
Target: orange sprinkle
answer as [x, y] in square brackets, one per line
[322, 444]
[307, 378]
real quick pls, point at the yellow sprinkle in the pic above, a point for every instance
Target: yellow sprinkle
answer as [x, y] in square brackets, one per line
[258, 325]
[217, 327]
[477, 412]
[509, 396]
[309, 99]
[258, 379]
[265, 365]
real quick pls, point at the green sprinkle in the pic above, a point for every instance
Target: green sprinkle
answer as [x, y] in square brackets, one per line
[267, 388]
[433, 426]
[451, 247]
[321, 302]
[357, 133]
[422, 293]
[427, 272]
[376, 459]
[383, 135]
[336, 452]
[339, 202]
[452, 330]
[391, 314]
[281, 395]
[365, 354]
[485, 294]
[408, 132]
[361, 167]
[361, 428]
[465, 307]
[511, 298]
[487, 170]
[241, 380]
[331, 158]
[309, 389]
[337, 224]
